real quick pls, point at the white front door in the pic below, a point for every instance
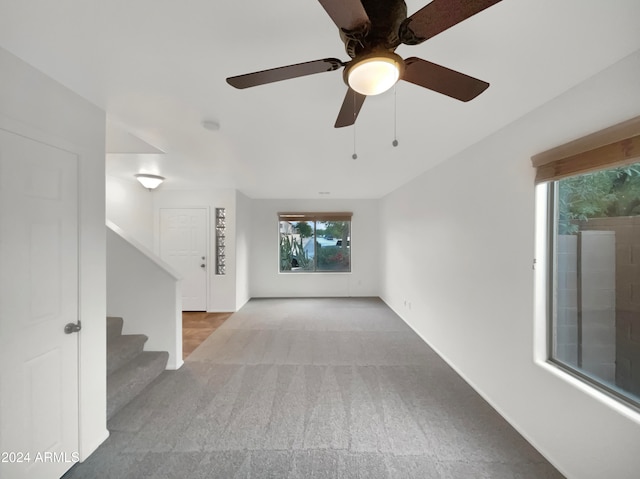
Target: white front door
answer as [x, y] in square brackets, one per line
[183, 245]
[38, 296]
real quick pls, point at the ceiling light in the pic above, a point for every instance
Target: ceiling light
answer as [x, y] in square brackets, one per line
[374, 73]
[149, 181]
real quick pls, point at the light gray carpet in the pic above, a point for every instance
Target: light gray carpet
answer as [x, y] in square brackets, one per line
[312, 388]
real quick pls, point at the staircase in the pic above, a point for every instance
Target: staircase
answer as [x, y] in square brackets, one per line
[129, 368]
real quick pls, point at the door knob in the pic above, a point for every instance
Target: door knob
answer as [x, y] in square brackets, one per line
[202, 265]
[72, 328]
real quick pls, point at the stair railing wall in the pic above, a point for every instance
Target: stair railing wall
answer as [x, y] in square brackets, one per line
[145, 291]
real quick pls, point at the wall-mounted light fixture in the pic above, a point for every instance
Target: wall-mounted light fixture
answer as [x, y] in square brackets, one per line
[149, 181]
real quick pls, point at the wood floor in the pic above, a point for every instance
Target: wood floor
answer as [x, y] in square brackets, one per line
[197, 326]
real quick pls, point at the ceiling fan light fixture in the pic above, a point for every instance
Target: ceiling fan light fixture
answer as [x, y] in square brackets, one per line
[374, 73]
[149, 181]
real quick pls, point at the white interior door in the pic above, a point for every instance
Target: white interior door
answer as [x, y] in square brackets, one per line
[38, 296]
[183, 245]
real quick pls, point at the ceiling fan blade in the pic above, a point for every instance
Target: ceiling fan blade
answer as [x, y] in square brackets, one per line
[442, 80]
[350, 108]
[284, 73]
[348, 15]
[438, 16]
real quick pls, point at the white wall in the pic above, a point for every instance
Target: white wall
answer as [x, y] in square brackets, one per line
[222, 288]
[266, 281]
[243, 249]
[130, 206]
[458, 246]
[146, 293]
[42, 108]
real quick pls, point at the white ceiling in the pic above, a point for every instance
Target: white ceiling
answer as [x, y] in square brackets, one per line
[158, 68]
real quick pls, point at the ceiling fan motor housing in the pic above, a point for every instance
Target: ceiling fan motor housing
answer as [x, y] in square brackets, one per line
[380, 32]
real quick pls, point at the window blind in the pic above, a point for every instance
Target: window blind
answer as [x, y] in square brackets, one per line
[614, 146]
[326, 216]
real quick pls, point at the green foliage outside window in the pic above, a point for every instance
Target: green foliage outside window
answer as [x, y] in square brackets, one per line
[304, 229]
[292, 254]
[333, 258]
[607, 193]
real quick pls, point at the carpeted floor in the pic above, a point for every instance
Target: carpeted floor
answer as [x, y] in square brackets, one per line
[312, 388]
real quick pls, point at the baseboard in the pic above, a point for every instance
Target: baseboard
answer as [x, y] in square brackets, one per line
[172, 366]
[506, 417]
[87, 450]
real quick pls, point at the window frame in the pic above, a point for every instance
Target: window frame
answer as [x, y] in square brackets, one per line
[593, 381]
[316, 217]
[609, 148]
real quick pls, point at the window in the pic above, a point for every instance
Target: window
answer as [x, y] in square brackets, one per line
[314, 242]
[594, 269]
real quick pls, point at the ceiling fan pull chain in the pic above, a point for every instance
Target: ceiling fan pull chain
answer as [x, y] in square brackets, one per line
[355, 155]
[395, 116]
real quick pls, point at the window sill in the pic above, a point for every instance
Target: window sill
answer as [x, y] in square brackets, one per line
[626, 409]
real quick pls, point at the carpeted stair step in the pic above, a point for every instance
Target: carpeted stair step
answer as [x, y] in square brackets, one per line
[122, 349]
[114, 327]
[129, 380]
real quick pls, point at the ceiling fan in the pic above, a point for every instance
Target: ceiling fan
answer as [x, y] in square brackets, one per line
[371, 31]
